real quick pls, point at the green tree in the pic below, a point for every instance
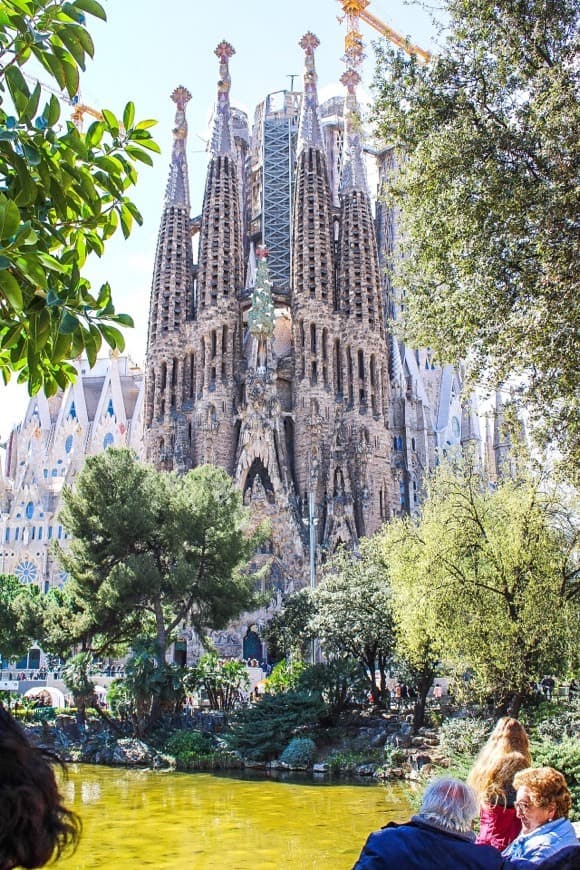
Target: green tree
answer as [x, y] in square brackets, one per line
[492, 577]
[20, 610]
[487, 197]
[223, 681]
[288, 633]
[149, 551]
[76, 677]
[154, 685]
[63, 194]
[354, 613]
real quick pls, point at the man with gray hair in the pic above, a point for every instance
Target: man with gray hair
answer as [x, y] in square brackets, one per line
[439, 837]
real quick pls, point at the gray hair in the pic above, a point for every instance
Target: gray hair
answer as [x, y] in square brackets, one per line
[449, 804]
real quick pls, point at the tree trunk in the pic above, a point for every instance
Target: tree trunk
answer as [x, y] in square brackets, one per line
[423, 686]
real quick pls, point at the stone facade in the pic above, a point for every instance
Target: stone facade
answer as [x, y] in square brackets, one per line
[103, 408]
[293, 383]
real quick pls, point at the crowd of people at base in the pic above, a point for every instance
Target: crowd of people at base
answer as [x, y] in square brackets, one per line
[522, 809]
[523, 817]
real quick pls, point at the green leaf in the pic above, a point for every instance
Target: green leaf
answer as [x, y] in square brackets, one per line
[71, 77]
[10, 289]
[144, 125]
[92, 7]
[52, 112]
[31, 154]
[128, 115]
[18, 88]
[112, 121]
[69, 324]
[71, 41]
[31, 107]
[114, 338]
[138, 154]
[94, 134]
[9, 217]
[124, 320]
[54, 66]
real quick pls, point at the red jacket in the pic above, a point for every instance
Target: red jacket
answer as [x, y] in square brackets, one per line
[498, 826]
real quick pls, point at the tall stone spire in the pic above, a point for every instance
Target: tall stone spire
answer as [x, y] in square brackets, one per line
[177, 192]
[171, 295]
[359, 278]
[172, 286]
[309, 130]
[221, 256]
[222, 141]
[313, 237]
[354, 175]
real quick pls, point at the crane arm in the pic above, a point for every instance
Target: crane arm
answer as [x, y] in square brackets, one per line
[394, 37]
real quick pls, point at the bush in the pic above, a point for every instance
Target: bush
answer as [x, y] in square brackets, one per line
[347, 762]
[43, 714]
[285, 676]
[300, 752]
[565, 757]
[261, 732]
[194, 750]
[463, 736]
[561, 723]
[340, 683]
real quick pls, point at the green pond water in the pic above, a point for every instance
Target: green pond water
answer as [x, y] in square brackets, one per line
[170, 821]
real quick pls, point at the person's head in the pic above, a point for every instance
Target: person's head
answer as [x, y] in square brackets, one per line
[449, 804]
[542, 796]
[506, 751]
[34, 824]
[510, 735]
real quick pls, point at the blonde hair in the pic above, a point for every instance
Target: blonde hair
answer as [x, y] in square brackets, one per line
[546, 786]
[506, 752]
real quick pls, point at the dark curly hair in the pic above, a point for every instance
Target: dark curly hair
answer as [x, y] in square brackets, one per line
[34, 824]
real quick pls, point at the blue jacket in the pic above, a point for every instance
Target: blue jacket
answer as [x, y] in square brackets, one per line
[542, 842]
[419, 846]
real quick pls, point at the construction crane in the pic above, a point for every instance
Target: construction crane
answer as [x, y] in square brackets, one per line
[79, 110]
[355, 11]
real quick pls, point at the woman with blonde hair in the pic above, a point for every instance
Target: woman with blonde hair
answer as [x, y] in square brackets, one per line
[506, 752]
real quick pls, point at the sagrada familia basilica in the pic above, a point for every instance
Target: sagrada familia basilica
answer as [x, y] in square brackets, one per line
[271, 350]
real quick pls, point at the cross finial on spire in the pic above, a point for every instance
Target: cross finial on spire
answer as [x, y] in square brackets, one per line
[350, 79]
[309, 42]
[224, 51]
[181, 97]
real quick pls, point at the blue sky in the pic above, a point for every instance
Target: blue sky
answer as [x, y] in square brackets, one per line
[146, 49]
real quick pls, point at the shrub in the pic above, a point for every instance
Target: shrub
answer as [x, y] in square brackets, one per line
[194, 750]
[340, 683]
[300, 752]
[561, 723]
[347, 762]
[261, 732]
[565, 757]
[43, 714]
[285, 676]
[394, 755]
[463, 736]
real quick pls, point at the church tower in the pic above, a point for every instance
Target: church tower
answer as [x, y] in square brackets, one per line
[220, 277]
[284, 373]
[317, 382]
[171, 309]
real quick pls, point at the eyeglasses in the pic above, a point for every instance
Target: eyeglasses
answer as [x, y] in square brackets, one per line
[523, 806]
